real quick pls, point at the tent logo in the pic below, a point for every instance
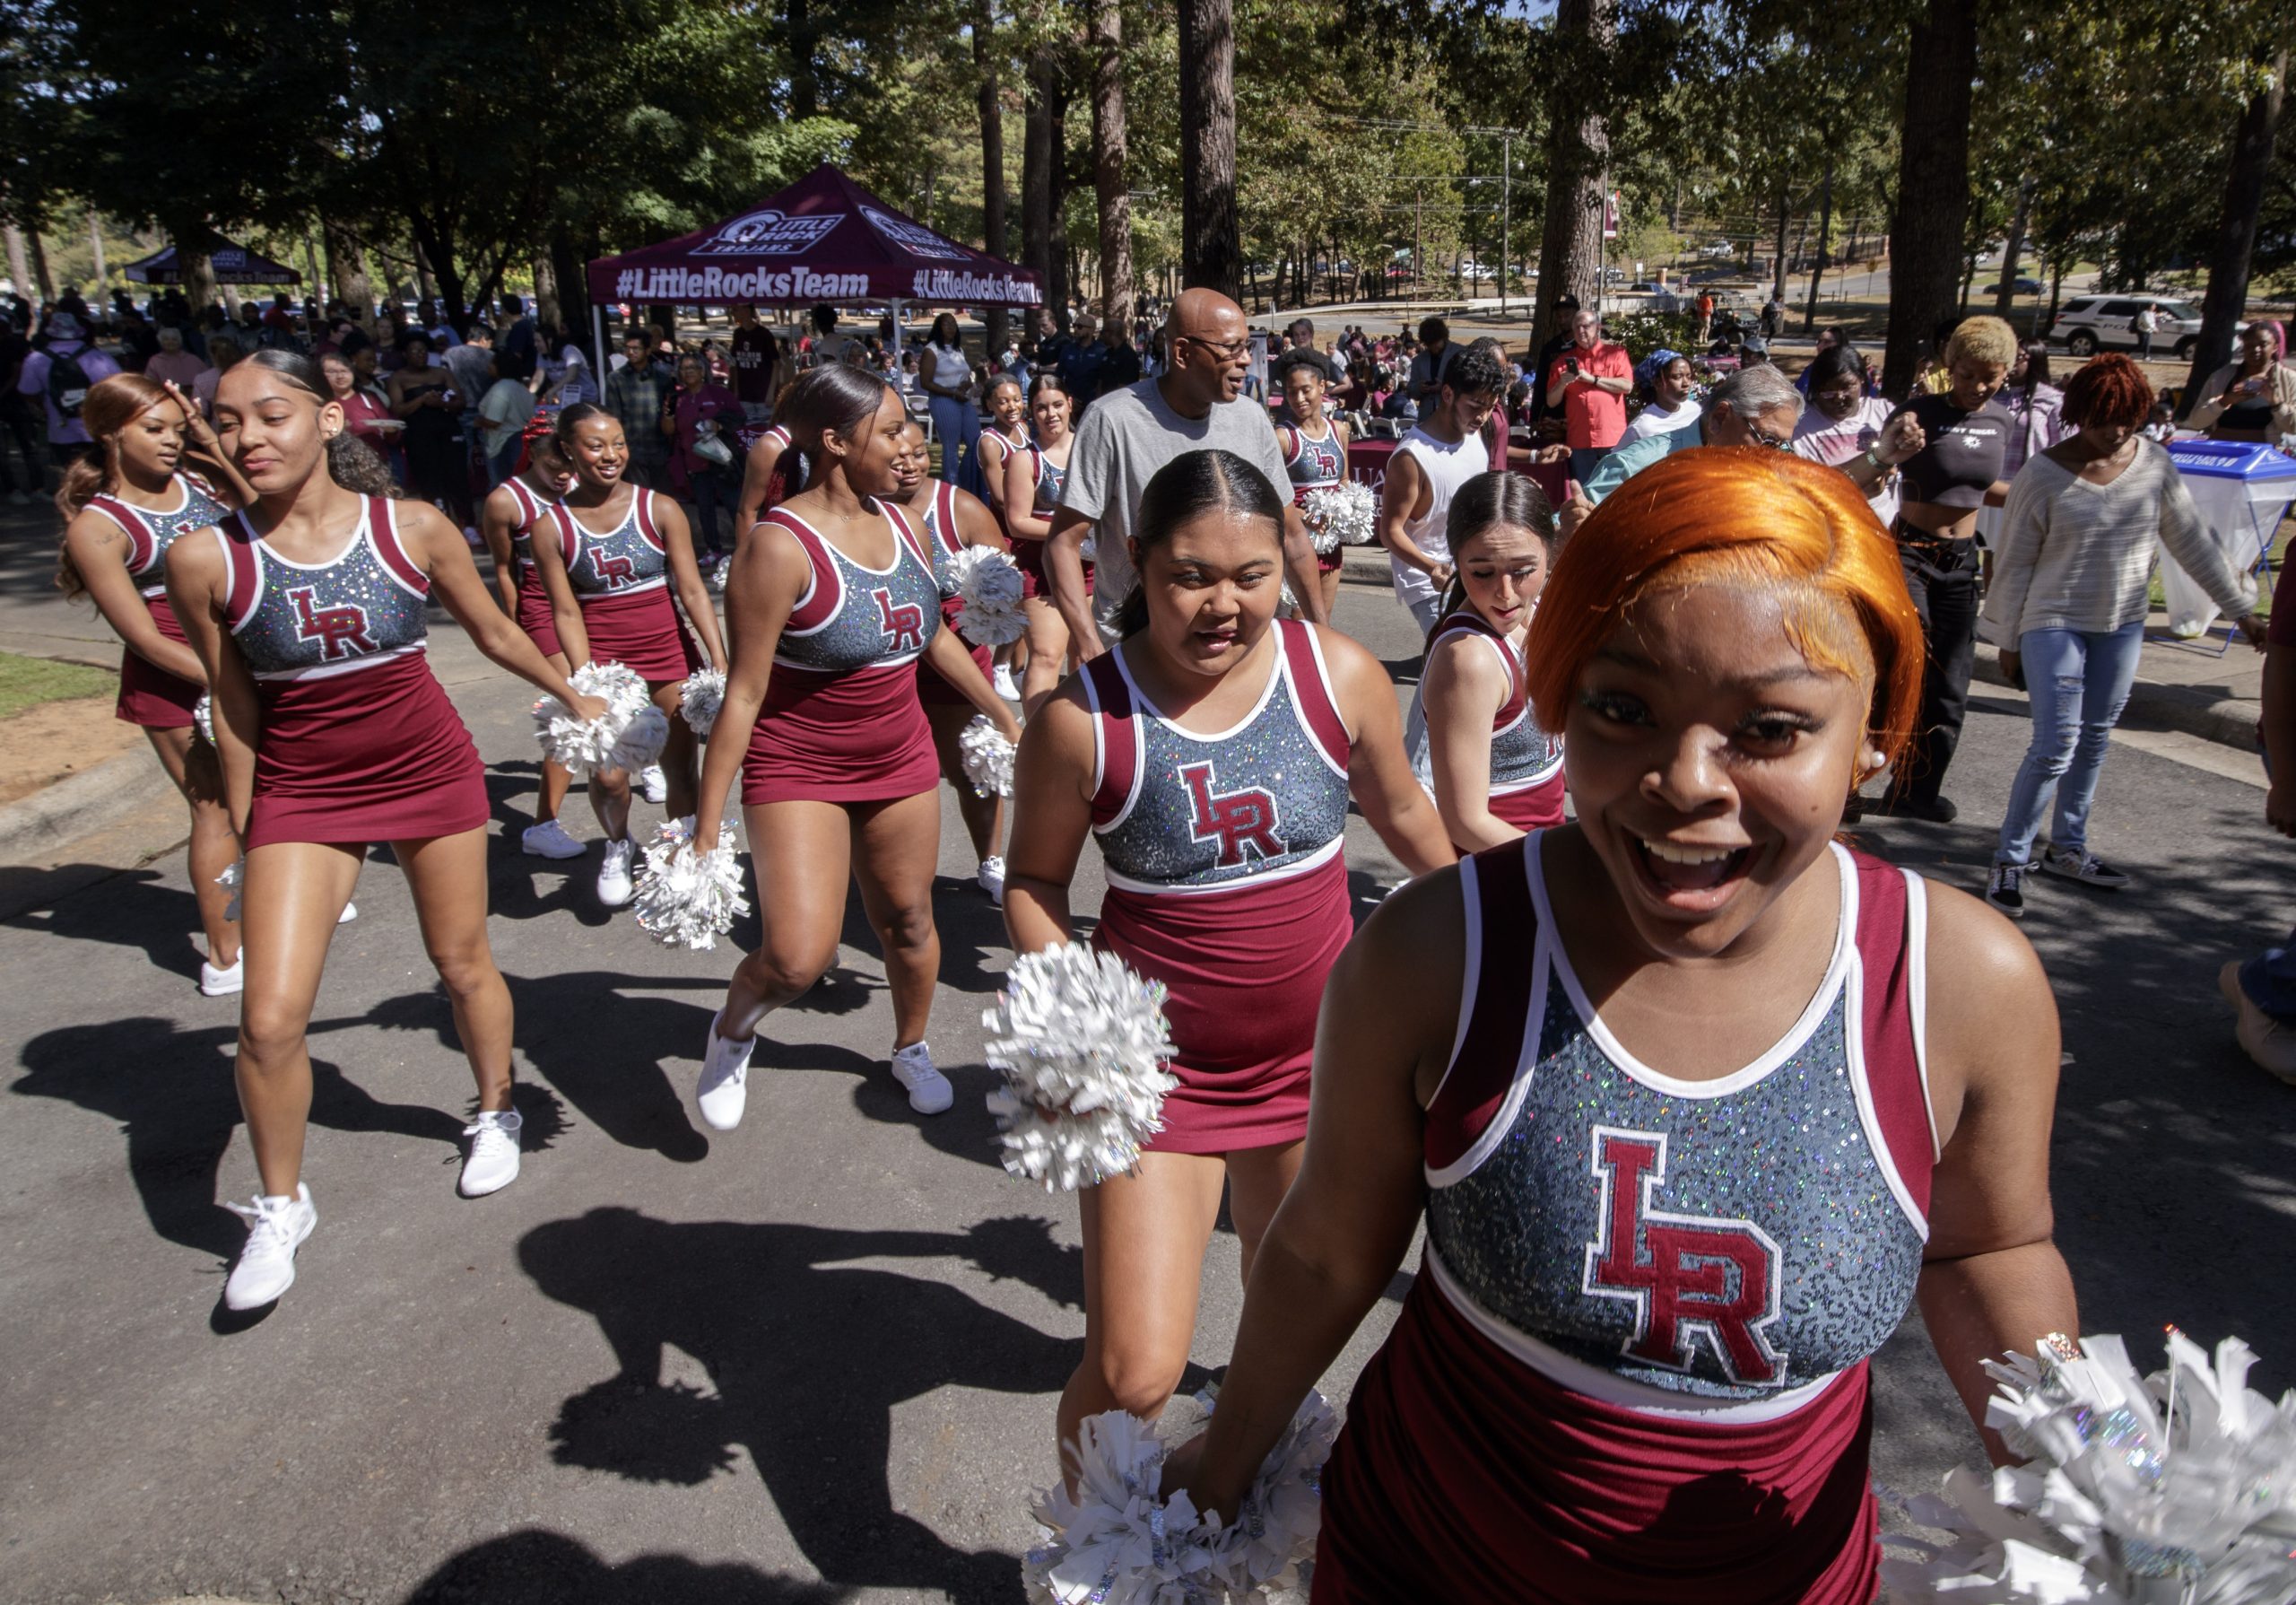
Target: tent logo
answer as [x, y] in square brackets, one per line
[767, 233]
[913, 238]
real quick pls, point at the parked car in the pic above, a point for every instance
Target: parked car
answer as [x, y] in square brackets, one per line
[2088, 324]
[2024, 287]
[1661, 300]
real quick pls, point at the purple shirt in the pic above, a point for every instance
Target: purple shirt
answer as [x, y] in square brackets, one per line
[713, 400]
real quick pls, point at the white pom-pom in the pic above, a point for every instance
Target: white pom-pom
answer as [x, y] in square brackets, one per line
[987, 587]
[721, 573]
[986, 757]
[1122, 1538]
[1339, 514]
[705, 693]
[2179, 1487]
[1082, 1043]
[232, 880]
[687, 899]
[629, 735]
[203, 717]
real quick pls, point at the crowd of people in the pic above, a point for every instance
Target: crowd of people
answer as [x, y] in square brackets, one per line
[1640, 1040]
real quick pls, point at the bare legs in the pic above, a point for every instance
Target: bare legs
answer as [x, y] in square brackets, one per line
[610, 788]
[1048, 656]
[191, 765]
[984, 816]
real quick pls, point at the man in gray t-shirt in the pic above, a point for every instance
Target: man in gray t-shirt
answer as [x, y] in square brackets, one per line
[1194, 405]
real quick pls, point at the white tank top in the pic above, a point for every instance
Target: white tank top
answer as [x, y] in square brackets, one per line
[1446, 466]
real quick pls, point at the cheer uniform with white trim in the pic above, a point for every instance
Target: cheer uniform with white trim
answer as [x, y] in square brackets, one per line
[1028, 554]
[622, 579]
[943, 541]
[1315, 465]
[150, 696]
[357, 742]
[841, 721]
[1526, 785]
[1633, 1366]
[533, 614]
[1227, 883]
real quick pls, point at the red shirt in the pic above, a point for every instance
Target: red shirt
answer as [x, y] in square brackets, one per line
[1593, 419]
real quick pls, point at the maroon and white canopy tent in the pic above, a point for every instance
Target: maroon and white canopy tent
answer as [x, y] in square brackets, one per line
[822, 241]
[232, 265]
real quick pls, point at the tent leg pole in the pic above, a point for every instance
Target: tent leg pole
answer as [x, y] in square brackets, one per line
[599, 339]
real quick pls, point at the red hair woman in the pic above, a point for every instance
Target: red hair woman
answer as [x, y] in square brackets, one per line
[1666, 1087]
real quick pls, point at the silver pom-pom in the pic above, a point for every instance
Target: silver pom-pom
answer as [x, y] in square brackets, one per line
[629, 735]
[1122, 1541]
[203, 717]
[1339, 514]
[1082, 1043]
[2181, 1488]
[705, 693]
[687, 899]
[232, 880]
[986, 588]
[721, 573]
[986, 757]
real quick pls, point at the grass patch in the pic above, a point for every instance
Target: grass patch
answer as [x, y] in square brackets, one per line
[28, 682]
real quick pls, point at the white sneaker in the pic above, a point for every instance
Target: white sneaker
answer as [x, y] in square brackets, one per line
[929, 1092]
[350, 912]
[1005, 688]
[493, 1162]
[222, 984]
[266, 1267]
[724, 1088]
[549, 840]
[992, 879]
[653, 784]
[614, 886]
[476, 541]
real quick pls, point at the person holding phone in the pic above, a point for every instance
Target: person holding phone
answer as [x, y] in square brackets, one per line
[1588, 385]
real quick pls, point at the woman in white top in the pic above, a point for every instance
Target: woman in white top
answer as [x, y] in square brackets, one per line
[2067, 608]
[2037, 406]
[1671, 405]
[946, 376]
[1843, 421]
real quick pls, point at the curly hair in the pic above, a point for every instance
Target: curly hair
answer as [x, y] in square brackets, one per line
[2110, 392]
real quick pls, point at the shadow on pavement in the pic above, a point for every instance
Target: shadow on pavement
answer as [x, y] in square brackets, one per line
[532, 1567]
[138, 910]
[807, 1355]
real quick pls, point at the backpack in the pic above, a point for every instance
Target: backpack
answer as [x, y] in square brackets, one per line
[67, 383]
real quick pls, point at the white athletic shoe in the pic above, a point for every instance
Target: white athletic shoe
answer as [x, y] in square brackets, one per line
[992, 879]
[929, 1092]
[222, 984]
[350, 912]
[614, 887]
[653, 784]
[265, 1268]
[1005, 688]
[549, 840]
[494, 1161]
[724, 1088]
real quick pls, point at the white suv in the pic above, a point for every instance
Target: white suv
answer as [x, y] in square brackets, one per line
[2088, 324]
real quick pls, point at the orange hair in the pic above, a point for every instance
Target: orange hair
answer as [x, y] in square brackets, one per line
[1743, 516]
[2110, 392]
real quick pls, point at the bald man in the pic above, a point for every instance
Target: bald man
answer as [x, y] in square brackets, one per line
[1196, 404]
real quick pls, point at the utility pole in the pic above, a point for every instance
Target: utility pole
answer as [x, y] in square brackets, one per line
[1506, 200]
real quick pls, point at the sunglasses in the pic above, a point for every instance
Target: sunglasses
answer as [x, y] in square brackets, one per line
[1229, 350]
[1775, 442]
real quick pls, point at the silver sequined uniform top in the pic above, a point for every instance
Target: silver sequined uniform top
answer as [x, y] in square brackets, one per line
[867, 625]
[617, 564]
[1315, 465]
[353, 611]
[153, 532]
[1522, 754]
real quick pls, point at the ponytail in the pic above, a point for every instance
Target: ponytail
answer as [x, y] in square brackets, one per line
[1132, 612]
[356, 465]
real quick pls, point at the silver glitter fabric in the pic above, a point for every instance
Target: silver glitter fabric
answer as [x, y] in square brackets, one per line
[614, 564]
[347, 614]
[872, 620]
[1260, 801]
[1522, 754]
[532, 512]
[1050, 478]
[1313, 465]
[1727, 1246]
[148, 562]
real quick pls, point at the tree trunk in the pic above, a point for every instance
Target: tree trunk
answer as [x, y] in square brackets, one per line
[1825, 237]
[546, 308]
[1570, 250]
[199, 271]
[39, 269]
[19, 267]
[96, 244]
[567, 267]
[1933, 184]
[426, 285]
[986, 63]
[2013, 249]
[1062, 282]
[800, 40]
[2056, 287]
[1038, 157]
[1109, 142]
[347, 272]
[1211, 248]
[1785, 215]
[314, 287]
[2236, 229]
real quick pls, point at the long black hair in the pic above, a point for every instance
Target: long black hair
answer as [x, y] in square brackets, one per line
[351, 462]
[1191, 485]
[1487, 502]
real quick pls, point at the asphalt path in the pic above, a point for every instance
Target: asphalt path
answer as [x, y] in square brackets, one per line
[816, 1358]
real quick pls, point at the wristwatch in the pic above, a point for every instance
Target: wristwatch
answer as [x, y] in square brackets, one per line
[1874, 457]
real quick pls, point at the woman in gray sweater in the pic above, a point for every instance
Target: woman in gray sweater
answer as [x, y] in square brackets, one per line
[2068, 606]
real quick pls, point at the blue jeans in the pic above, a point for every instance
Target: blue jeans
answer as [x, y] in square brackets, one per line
[502, 462]
[711, 491]
[955, 423]
[2079, 683]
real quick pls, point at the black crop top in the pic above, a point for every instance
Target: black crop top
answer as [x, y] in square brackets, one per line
[1964, 453]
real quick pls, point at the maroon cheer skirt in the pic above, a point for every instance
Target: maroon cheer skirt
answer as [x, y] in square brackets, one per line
[640, 631]
[935, 691]
[375, 755]
[149, 695]
[1246, 971]
[1533, 808]
[1028, 556]
[850, 738]
[533, 614]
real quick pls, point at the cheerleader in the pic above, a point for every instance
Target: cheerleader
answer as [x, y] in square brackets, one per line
[832, 599]
[306, 610]
[1007, 432]
[123, 510]
[1689, 1133]
[953, 520]
[773, 468]
[1032, 481]
[618, 550]
[1493, 771]
[1213, 754]
[1315, 450]
[507, 520]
